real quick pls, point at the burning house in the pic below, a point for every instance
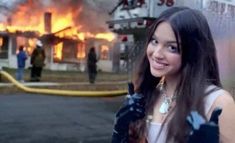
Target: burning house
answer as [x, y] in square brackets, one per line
[65, 30]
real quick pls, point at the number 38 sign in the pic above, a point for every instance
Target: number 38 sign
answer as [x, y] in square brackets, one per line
[168, 3]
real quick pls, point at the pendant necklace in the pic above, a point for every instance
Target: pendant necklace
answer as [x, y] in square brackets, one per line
[166, 104]
[167, 100]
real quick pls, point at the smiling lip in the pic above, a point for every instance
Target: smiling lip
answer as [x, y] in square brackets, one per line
[158, 65]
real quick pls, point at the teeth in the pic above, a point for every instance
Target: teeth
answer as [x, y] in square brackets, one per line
[158, 65]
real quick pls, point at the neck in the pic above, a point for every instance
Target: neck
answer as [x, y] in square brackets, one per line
[171, 83]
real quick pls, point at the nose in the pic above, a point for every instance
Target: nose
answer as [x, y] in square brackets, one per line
[158, 52]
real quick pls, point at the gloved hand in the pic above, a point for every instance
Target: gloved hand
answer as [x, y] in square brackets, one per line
[202, 131]
[132, 110]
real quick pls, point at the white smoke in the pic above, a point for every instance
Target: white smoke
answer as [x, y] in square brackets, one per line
[5, 7]
[104, 5]
[96, 14]
[9, 3]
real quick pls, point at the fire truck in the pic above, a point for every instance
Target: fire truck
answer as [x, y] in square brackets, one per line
[130, 19]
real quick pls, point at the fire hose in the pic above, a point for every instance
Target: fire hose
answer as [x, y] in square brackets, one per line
[62, 92]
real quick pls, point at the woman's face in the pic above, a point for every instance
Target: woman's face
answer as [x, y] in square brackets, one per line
[163, 52]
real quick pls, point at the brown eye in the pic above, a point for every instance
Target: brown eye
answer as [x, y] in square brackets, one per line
[173, 49]
[153, 41]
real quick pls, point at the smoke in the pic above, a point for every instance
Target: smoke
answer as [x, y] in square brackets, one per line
[92, 17]
[104, 5]
[9, 4]
[95, 14]
[5, 8]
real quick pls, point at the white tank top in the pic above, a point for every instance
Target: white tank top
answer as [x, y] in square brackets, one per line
[154, 128]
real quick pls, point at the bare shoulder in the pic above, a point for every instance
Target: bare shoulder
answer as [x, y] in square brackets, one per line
[224, 100]
[227, 117]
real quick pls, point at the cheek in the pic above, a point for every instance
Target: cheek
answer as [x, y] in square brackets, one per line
[177, 62]
[149, 51]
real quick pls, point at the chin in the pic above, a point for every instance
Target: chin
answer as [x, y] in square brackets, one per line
[157, 73]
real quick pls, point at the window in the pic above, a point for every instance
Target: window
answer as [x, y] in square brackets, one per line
[104, 52]
[4, 47]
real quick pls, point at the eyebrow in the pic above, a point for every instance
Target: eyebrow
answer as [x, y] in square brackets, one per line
[168, 42]
[171, 42]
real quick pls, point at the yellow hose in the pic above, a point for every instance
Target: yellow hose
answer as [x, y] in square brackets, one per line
[63, 92]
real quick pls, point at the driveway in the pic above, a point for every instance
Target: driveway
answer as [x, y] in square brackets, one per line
[33, 118]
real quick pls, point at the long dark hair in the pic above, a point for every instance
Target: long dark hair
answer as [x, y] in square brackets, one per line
[199, 69]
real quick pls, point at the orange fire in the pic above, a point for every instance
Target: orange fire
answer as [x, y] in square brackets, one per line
[31, 44]
[1, 41]
[104, 52]
[80, 51]
[25, 20]
[58, 51]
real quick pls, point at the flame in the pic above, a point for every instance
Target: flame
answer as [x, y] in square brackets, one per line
[81, 51]
[31, 44]
[58, 51]
[81, 36]
[104, 52]
[73, 33]
[1, 42]
[107, 36]
[2, 27]
[35, 22]
[29, 17]
[22, 21]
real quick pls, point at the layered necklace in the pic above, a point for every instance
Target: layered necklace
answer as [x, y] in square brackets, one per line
[167, 100]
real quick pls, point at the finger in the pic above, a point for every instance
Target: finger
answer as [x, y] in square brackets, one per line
[139, 111]
[125, 113]
[210, 132]
[195, 120]
[136, 115]
[123, 109]
[189, 119]
[130, 109]
[138, 98]
[215, 115]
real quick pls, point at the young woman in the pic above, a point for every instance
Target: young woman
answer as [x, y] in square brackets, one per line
[178, 74]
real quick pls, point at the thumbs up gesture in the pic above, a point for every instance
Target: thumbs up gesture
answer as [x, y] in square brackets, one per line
[131, 111]
[202, 131]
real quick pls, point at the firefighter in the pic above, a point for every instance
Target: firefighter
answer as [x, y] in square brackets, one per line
[37, 61]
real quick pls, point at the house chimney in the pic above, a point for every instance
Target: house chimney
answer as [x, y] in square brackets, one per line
[47, 22]
[9, 21]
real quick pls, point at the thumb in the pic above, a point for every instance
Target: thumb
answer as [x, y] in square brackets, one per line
[215, 115]
[130, 88]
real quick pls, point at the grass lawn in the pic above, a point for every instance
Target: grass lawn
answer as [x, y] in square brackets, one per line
[70, 78]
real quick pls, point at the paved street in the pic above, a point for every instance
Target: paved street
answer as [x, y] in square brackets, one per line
[28, 118]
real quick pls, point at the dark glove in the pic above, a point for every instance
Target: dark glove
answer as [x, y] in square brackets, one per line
[132, 110]
[202, 131]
